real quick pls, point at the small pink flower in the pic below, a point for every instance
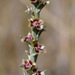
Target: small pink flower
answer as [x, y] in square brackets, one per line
[39, 48]
[36, 22]
[28, 38]
[27, 64]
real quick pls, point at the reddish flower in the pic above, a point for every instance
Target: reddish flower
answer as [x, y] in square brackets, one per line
[39, 48]
[36, 22]
[27, 64]
[28, 38]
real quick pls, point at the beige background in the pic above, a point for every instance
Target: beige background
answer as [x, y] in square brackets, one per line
[59, 38]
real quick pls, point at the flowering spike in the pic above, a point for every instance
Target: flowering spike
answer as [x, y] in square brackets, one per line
[37, 27]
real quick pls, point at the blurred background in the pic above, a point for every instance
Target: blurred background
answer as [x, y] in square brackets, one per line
[59, 39]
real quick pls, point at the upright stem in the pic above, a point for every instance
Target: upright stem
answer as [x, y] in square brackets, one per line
[32, 40]
[34, 58]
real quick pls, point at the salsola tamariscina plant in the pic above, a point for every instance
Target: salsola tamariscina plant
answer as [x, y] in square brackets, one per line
[35, 48]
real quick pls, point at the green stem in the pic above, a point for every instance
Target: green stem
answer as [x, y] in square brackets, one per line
[32, 49]
[34, 32]
[34, 58]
